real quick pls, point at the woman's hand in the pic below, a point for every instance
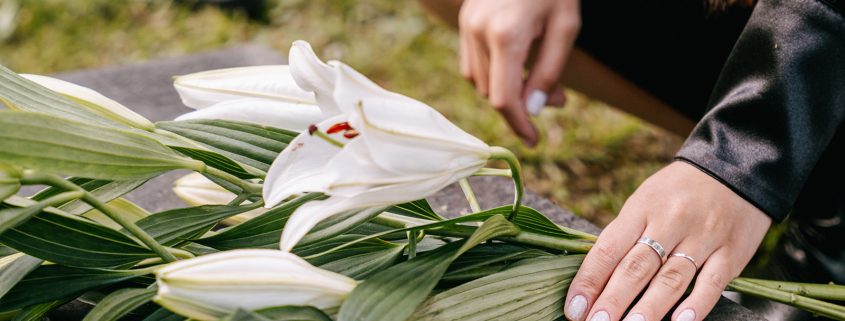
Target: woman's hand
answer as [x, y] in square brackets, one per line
[686, 211]
[496, 37]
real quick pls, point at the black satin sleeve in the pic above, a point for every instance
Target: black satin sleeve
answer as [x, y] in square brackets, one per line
[777, 104]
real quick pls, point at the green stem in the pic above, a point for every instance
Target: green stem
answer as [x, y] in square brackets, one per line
[246, 187]
[502, 153]
[832, 292]
[31, 177]
[239, 199]
[412, 244]
[819, 307]
[470, 195]
[493, 172]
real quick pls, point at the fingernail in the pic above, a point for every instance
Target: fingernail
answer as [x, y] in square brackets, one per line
[635, 317]
[686, 315]
[576, 308]
[535, 102]
[601, 316]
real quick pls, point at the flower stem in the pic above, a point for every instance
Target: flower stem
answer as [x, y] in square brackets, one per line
[832, 292]
[324, 136]
[819, 307]
[245, 186]
[493, 172]
[31, 178]
[470, 195]
[502, 153]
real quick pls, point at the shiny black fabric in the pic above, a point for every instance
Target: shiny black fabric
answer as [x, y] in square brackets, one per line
[777, 106]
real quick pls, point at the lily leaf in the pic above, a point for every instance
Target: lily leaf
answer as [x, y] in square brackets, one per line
[61, 146]
[358, 261]
[39, 311]
[14, 268]
[119, 303]
[247, 143]
[419, 209]
[104, 190]
[532, 289]
[19, 93]
[396, 292]
[41, 285]
[173, 227]
[74, 241]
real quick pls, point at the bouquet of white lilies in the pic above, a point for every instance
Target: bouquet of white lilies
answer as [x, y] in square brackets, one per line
[307, 203]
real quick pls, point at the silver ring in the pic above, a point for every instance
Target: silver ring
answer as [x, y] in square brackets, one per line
[654, 246]
[689, 258]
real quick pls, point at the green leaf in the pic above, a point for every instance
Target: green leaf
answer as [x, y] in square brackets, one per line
[10, 180]
[123, 207]
[358, 261]
[486, 259]
[73, 241]
[396, 292]
[215, 160]
[419, 209]
[533, 289]
[339, 224]
[23, 94]
[262, 231]
[13, 216]
[250, 144]
[530, 220]
[163, 314]
[119, 303]
[294, 313]
[39, 311]
[104, 190]
[55, 145]
[14, 268]
[57, 282]
[173, 227]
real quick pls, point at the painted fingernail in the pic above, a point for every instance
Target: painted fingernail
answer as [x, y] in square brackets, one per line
[601, 316]
[576, 308]
[686, 315]
[635, 317]
[535, 102]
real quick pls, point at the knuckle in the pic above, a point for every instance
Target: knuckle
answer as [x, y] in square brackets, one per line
[503, 34]
[715, 280]
[589, 282]
[635, 266]
[498, 102]
[672, 278]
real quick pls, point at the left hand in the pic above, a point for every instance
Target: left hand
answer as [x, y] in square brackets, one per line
[686, 211]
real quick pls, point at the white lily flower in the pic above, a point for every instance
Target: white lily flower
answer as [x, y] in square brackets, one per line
[394, 149]
[265, 95]
[196, 190]
[212, 286]
[94, 101]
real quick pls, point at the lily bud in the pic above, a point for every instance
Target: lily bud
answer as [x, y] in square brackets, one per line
[10, 181]
[212, 286]
[265, 95]
[94, 101]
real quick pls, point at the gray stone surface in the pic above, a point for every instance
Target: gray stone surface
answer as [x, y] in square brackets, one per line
[147, 88]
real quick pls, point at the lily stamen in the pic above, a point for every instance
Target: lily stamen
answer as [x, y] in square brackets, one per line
[314, 131]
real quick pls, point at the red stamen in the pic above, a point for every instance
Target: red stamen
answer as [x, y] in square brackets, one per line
[350, 133]
[339, 127]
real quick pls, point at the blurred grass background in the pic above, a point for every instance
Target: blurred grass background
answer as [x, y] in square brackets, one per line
[591, 158]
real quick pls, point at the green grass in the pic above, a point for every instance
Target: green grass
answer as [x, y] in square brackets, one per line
[591, 159]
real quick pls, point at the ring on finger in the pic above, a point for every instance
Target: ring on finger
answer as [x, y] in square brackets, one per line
[654, 246]
[689, 258]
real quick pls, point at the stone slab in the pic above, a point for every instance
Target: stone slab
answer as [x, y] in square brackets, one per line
[147, 89]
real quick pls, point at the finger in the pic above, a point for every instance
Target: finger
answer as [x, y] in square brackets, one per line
[479, 60]
[465, 67]
[711, 281]
[631, 276]
[557, 97]
[613, 243]
[667, 287]
[557, 42]
[507, 57]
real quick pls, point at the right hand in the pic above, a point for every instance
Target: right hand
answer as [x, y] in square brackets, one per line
[496, 37]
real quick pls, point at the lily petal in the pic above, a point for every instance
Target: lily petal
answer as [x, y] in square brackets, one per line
[279, 114]
[272, 82]
[312, 74]
[300, 167]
